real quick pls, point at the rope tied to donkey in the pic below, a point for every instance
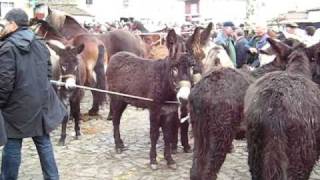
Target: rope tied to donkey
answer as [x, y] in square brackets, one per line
[60, 83]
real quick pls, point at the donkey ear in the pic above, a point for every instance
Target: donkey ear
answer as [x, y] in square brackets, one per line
[78, 49]
[49, 10]
[279, 47]
[313, 50]
[171, 38]
[205, 35]
[195, 38]
[55, 48]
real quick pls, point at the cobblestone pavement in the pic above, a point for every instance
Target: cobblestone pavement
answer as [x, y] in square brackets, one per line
[93, 156]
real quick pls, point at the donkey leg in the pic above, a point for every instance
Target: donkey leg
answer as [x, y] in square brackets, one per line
[100, 74]
[167, 134]
[154, 135]
[62, 140]
[184, 137]
[174, 132]
[255, 151]
[117, 109]
[75, 110]
[220, 144]
[109, 117]
[95, 104]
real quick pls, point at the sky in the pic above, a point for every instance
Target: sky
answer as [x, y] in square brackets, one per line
[173, 10]
[273, 8]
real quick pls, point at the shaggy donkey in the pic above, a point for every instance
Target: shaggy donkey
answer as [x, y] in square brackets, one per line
[283, 119]
[216, 108]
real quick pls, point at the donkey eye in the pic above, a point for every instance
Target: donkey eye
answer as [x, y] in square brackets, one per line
[191, 70]
[63, 68]
[175, 72]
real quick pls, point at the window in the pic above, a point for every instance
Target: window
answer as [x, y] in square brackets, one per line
[89, 1]
[5, 7]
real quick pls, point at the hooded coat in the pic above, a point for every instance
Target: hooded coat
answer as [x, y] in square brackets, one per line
[28, 102]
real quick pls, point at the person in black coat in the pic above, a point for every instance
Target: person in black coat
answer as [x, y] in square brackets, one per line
[3, 134]
[242, 49]
[29, 105]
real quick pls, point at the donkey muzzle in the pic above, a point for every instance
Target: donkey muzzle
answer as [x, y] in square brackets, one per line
[70, 84]
[184, 91]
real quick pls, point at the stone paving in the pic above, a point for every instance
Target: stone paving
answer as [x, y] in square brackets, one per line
[93, 156]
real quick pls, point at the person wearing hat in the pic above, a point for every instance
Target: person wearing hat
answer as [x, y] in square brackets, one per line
[225, 39]
[311, 37]
[28, 103]
[291, 32]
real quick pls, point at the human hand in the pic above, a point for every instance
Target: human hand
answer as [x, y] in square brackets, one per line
[253, 50]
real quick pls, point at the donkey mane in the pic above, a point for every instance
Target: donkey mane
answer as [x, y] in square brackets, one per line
[299, 64]
[48, 28]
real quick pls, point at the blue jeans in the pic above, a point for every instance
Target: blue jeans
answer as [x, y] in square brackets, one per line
[11, 158]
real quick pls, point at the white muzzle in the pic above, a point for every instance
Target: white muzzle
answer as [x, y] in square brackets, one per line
[184, 91]
[70, 83]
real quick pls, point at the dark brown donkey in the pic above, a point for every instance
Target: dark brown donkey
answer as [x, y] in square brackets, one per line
[283, 118]
[68, 67]
[165, 80]
[216, 105]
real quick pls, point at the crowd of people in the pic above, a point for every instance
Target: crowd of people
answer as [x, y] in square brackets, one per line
[244, 48]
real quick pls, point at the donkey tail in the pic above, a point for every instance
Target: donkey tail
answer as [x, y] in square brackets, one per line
[267, 150]
[275, 159]
[99, 69]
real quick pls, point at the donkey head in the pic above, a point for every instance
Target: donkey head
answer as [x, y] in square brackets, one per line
[199, 43]
[285, 54]
[184, 67]
[69, 61]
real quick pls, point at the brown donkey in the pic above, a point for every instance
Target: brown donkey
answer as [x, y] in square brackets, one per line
[283, 118]
[161, 80]
[216, 109]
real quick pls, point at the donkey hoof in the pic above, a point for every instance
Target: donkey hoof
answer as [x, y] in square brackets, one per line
[93, 112]
[109, 118]
[172, 166]
[119, 150]
[61, 143]
[174, 151]
[154, 166]
[187, 150]
[77, 137]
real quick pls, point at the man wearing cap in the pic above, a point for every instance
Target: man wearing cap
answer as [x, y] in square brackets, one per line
[28, 103]
[224, 39]
[291, 31]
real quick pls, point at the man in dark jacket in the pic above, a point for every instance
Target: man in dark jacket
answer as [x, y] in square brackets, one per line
[29, 105]
[225, 39]
[3, 134]
[242, 50]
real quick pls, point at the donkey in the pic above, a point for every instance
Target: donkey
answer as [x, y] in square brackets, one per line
[283, 118]
[216, 109]
[167, 80]
[69, 68]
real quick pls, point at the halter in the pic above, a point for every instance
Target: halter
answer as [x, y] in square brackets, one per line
[67, 76]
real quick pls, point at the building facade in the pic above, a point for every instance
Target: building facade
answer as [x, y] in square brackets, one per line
[6, 5]
[156, 10]
[215, 10]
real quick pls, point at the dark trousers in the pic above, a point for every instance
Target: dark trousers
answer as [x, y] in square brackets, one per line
[11, 158]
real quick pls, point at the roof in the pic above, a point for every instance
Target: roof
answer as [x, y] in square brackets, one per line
[314, 9]
[71, 9]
